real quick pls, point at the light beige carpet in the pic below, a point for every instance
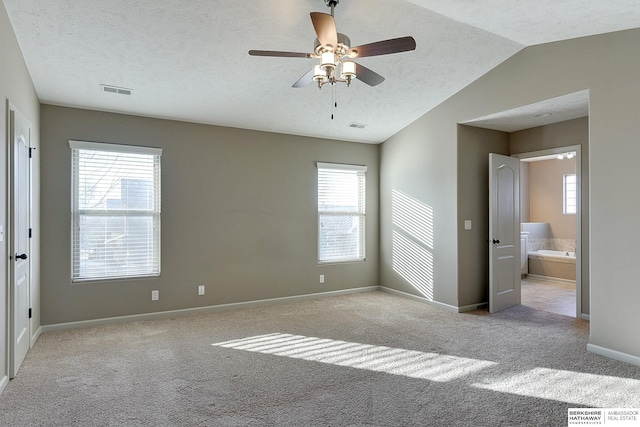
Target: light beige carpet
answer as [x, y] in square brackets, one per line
[368, 359]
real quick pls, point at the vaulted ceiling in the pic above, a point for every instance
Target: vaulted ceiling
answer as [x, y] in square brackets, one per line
[188, 60]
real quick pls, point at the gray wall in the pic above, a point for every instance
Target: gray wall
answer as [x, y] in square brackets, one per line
[564, 134]
[422, 161]
[418, 163]
[474, 146]
[16, 86]
[239, 215]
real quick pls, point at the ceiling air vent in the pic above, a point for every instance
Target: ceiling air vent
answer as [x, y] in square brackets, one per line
[357, 125]
[116, 89]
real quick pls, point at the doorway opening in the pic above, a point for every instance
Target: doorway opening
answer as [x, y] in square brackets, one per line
[538, 129]
[551, 230]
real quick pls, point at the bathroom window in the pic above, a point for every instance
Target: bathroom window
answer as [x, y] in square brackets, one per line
[341, 212]
[569, 194]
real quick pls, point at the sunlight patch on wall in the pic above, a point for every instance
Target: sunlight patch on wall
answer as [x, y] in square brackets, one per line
[412, 242]
[414, 263]
[578, 388]
[413, 217]
[396, 361]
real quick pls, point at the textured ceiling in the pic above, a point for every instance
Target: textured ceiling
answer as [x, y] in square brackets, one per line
[187, 60]
[531, 22]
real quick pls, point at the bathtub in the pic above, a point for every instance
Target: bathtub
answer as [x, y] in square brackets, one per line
[553, 264]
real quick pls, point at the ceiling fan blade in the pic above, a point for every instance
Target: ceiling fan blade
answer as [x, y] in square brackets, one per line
[304, 80]
[385, 47]
[325, 27]
[279, 54]
[367, 76]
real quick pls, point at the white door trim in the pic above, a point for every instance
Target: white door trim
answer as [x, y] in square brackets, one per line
[11, 367]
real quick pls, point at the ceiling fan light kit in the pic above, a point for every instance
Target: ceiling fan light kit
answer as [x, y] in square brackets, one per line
[332, 65]
[335, 53]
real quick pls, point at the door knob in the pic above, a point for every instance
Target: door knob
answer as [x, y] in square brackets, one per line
[495, 242]
[22, 256]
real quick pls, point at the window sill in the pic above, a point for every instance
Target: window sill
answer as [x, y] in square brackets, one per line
[114, 279]
[348, 261]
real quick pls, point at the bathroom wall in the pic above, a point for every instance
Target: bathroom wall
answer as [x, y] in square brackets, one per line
[546, 196]
[543, 193]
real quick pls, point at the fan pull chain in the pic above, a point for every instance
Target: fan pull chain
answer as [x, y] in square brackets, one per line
[334, 103]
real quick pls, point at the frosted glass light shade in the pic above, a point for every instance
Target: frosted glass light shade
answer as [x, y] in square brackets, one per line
[319, 74]
[328, 61]
[348, 69]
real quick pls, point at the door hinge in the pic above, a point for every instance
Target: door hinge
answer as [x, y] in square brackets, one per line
[31, 151]
[30, 232]
[29, 313]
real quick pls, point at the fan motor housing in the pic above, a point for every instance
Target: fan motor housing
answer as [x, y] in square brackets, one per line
[343, 46]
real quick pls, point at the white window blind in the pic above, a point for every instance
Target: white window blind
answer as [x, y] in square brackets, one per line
[569, 194]
[115, 211]
[341, 212]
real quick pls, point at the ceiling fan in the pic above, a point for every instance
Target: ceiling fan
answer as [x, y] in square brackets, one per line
[335, 53]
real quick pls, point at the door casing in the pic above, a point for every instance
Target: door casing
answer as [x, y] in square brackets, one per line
[15, 353]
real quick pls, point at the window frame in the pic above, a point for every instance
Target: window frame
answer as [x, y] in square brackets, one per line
[359, 213]
[76, 213]
[565, 198]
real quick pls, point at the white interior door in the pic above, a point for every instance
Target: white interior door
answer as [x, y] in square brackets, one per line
[504, 232]
[19, 241]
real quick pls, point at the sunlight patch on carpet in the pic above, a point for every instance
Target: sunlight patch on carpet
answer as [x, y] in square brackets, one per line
[566, 386]
[396, 361]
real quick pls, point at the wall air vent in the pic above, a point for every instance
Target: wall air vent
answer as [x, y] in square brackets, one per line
[357, 125]
[116, 89]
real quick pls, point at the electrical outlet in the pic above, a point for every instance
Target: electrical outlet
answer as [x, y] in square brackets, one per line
[201, 290]
[155, 295]
[322, 278]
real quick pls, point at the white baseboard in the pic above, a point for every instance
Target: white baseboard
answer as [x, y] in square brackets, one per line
[35, 336]
[614, 354]
[3, 383]
[586, 317]
[466, 308]
[207, 309]
[418, 298]
[248, 304]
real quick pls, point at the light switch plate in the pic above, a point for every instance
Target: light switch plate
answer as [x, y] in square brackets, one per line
[467, 224]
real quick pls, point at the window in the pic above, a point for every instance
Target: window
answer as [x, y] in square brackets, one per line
[115, 211]
[569, 194]
[341, 213]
